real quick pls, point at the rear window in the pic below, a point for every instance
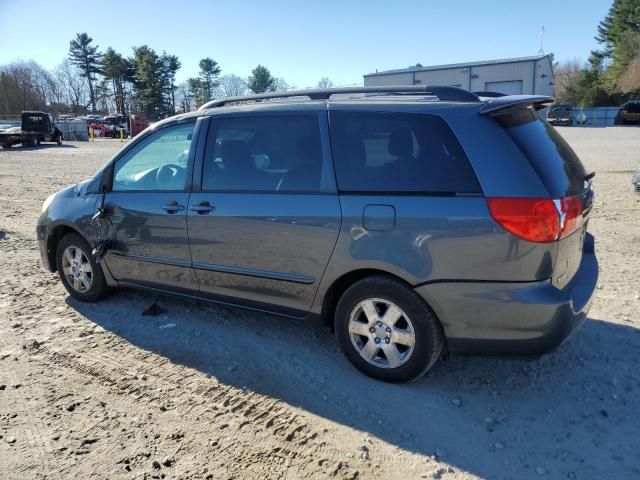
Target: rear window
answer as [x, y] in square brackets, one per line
[552, 158]
[398, 152]
[632, 107]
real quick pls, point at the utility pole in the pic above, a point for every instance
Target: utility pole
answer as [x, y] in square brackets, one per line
[541, 51]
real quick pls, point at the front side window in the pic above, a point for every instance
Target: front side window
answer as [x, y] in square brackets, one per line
[271, 153]
[398, 152]
[158, 163]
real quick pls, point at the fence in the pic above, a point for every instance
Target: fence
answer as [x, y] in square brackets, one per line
[73, 129]
[591, 117]
[595, 116]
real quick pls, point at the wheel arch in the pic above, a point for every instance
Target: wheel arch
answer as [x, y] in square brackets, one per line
[53, 239]
[342, 283]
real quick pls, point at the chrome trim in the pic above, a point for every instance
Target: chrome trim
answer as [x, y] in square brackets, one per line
[162, 260]
[252, 272]
[249, 272]
[562, 215]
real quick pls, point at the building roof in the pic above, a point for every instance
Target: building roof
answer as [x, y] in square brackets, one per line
[460, 65]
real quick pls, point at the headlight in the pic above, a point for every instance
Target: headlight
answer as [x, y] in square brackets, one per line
[47, 202]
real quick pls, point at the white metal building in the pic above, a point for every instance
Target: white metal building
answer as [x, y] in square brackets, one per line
[511, 76]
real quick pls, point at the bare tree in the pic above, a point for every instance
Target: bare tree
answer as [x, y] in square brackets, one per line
[325, 82]
[23, 86]
[184, 98]
[281, 85]
[565, 73]
[73, 87]
[232, 86]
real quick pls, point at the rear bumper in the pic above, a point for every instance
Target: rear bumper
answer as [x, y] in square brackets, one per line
[522, 319]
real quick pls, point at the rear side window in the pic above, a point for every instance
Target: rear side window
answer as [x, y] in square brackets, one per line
[550, 155]
[274, 153]
[398, 152]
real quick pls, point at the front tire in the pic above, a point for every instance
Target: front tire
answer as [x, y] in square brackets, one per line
[387, 330]
[78, 271]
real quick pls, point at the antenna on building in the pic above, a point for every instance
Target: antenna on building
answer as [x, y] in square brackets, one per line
[541, 51]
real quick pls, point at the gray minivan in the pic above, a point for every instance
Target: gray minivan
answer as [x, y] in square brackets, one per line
[410, 219]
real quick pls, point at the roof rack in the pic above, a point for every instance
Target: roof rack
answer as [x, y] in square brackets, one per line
[445, 93]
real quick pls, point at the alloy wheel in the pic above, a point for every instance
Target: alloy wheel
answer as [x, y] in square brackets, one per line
[77, 269]
[382, 333]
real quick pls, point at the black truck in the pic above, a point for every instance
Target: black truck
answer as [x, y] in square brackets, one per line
[36, 127]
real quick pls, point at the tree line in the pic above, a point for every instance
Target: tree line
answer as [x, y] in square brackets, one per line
[93, 81]
[611, 74]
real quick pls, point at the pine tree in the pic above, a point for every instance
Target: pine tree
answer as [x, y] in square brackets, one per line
[88, 60]
[171, 64]
[209, 72]
[619, 35]
[148, 81]
[196, 91]
[119, 71]
[261, 80]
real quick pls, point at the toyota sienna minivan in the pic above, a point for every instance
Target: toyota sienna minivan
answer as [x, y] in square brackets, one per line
[410, 219]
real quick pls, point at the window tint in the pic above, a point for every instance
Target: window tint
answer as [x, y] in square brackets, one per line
[265, 153]
[632, 107]
[550, 155]
[393, 152]
[159, 163]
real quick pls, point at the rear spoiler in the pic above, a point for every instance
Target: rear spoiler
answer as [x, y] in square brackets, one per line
[499, 104]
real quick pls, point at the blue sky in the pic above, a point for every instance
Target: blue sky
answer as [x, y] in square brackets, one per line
[303, 41]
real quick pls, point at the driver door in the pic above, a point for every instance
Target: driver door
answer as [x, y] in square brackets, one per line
[147, 208]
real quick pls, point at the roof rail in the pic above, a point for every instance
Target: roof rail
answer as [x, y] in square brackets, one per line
[454, 94]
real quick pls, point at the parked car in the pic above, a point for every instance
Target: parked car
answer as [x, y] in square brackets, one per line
[629, 112]
[410, 219]
[560, 114]
[636, 181]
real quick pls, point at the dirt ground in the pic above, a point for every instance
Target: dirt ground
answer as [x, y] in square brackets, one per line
[203, 391]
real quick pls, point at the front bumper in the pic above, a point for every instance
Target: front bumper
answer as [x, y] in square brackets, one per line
[41, 239]
[520, 318]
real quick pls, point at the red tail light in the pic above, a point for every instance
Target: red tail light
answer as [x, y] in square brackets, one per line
[537, 219]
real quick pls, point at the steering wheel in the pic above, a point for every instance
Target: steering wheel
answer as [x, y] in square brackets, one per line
[168, 174]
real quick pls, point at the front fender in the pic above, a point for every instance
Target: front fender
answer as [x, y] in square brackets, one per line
[70, 210]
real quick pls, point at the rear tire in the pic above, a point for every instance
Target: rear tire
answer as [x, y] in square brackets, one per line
[78, 271]
[387, 330]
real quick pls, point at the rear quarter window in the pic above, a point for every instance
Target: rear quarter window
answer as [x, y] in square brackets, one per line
[398, 152]
[550, 155]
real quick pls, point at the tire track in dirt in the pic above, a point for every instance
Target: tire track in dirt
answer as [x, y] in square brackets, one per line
[286, 433]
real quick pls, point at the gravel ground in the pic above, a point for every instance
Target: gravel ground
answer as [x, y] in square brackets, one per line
[203, 391]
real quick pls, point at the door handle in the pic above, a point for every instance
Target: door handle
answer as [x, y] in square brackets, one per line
[202, 208]
[172, 207]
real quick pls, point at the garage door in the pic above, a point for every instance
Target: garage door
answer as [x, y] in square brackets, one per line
[513, 87]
